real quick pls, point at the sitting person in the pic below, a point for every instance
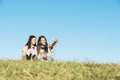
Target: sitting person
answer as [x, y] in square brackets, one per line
[29, 51]
[43, 47]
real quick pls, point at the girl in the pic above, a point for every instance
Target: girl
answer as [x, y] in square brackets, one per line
[30, 50]
[43, 47]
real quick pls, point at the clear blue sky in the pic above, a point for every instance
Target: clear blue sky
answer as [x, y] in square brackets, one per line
[86, 29]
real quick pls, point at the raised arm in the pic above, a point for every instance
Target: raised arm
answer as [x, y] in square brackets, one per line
[53, 44]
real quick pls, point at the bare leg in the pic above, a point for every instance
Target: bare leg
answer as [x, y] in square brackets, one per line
[36, 57]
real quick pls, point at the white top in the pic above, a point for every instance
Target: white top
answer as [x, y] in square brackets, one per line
[31, 51]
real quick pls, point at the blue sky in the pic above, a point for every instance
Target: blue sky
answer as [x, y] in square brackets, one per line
[86, 29]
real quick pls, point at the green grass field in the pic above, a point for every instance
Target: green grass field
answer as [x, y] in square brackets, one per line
[37, 70]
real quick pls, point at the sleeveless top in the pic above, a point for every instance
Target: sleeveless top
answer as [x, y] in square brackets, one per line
[32, 51]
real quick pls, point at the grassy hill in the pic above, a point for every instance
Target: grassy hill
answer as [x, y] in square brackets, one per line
[36, 70]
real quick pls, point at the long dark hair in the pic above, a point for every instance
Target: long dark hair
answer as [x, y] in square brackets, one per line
[39, 44]
[29, 41]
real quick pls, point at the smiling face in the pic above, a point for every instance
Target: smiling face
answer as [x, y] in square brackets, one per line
[43, 41]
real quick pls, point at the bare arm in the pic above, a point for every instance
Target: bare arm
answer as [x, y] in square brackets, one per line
[24, 53]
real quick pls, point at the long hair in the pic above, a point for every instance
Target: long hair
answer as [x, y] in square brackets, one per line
[39, 44]
[29, 41]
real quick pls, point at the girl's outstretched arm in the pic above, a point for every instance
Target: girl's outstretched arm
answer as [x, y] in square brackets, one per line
[53, 44]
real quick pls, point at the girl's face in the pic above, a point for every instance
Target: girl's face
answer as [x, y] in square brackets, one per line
[33, 41]
[43, 41]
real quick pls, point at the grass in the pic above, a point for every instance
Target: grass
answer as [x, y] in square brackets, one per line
[36, 70]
